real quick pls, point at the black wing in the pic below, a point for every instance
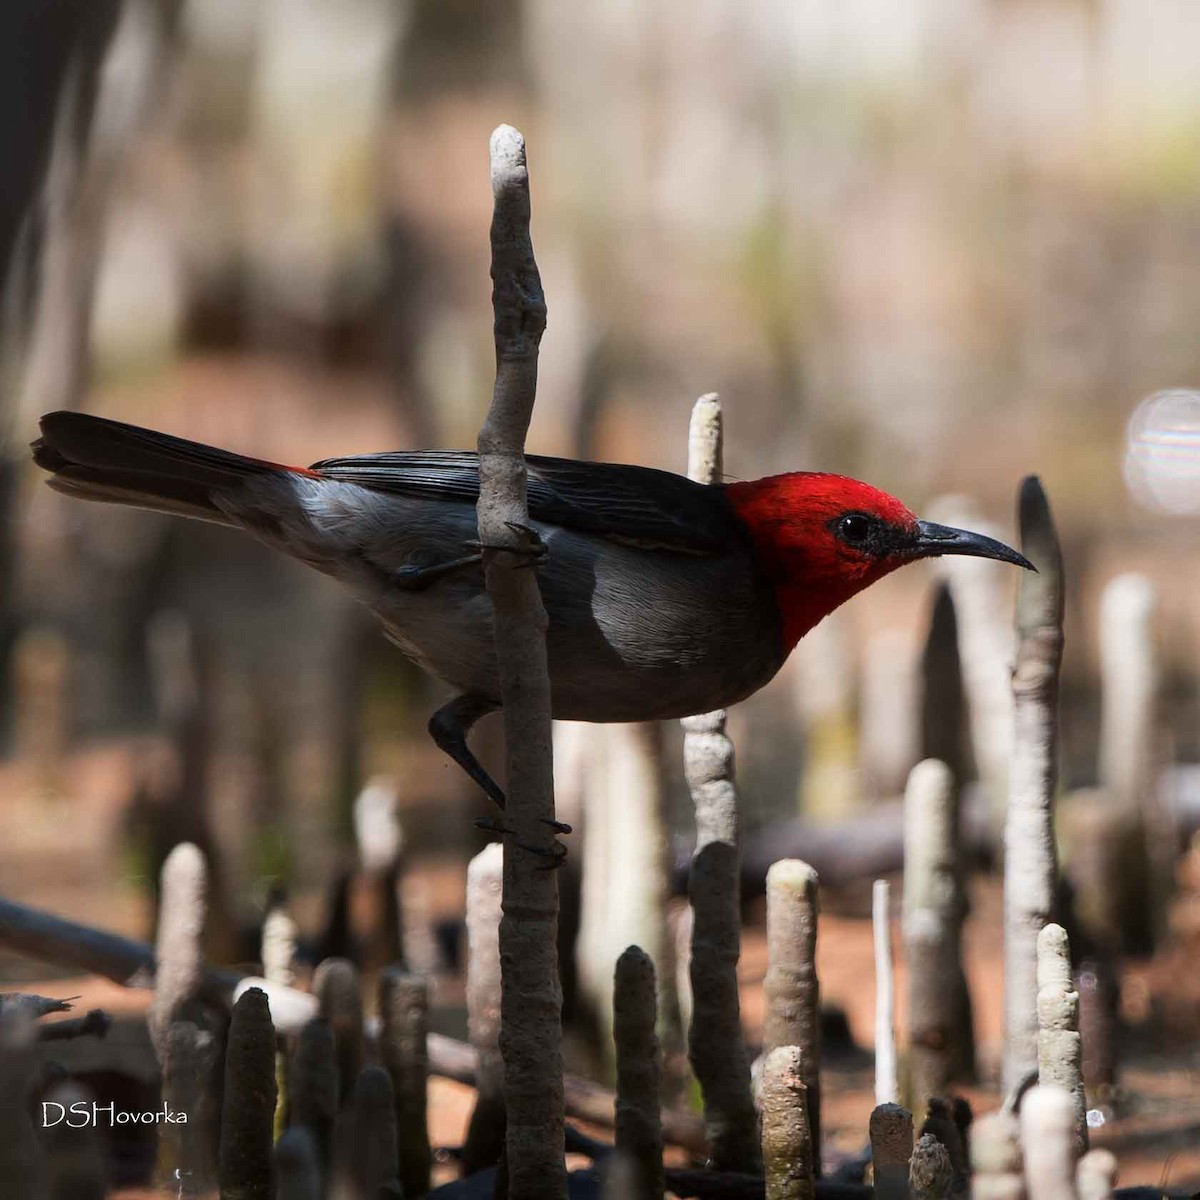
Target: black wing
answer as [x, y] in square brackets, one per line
[627, 503]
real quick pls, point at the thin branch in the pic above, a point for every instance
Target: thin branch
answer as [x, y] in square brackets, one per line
[51, 939]
[715, 1041]
[530, 1020]
[94, 1023]
[887, 1087]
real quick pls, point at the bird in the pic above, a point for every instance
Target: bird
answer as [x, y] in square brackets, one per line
[665, 597]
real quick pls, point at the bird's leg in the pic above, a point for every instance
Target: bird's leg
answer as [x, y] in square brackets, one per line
[413, 577]
[449, 727]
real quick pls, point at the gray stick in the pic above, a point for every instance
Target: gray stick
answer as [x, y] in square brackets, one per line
[887, 1087]
[787, 1145]
[929, 1170]
[296, 1165]
[934, 907]
[1048, 1143]
[715, 1041]
[75, 1156]
[1030, 862]
[996, 1158]
[891, 1131]
[530, 1018]
[339, 999]
[180, 956]
[485, 1134]
[1060, 1054]
[313, 1088]
[791, 989]
[403, 1038]
[248, 1104]
[371, 1155]
[639, 1072]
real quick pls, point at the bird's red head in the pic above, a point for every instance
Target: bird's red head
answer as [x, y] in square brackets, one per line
[824, 538]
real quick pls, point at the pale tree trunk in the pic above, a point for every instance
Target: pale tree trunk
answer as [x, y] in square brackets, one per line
[1030, 860]
[626, 887]
[996, 1158]
[1060, 1055]
[824, 693]
[1048, 1143]
[531, 998]
[791, 988]
[715, 1042]
[887, 713]
[934, 906]
[978, 586]
[787, 1144]
[1129, 758]
[1096, 1175]
[485, 1134]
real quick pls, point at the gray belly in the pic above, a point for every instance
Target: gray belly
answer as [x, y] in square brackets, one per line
[634, 634]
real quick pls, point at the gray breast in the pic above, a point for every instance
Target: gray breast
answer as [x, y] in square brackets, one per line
[635, 633]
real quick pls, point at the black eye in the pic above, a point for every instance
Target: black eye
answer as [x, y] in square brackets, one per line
[855, 528]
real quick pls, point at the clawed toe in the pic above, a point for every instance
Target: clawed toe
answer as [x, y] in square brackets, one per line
[534, 549]
[556, 854]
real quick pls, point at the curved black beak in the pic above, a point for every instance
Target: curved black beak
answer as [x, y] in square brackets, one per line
[934, 540]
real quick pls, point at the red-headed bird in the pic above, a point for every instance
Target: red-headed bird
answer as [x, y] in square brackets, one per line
[665, 597]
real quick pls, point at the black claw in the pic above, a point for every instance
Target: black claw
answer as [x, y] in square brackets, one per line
[557, 826]
[558, 853]
[536, 549]
[559, 856]
[536, 545]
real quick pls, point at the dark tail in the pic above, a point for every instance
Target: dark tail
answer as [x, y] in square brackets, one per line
[97, 459]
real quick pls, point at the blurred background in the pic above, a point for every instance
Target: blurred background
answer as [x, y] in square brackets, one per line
[937, 244]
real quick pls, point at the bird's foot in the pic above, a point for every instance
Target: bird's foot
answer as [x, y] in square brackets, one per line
[532, 550]
[556, 855]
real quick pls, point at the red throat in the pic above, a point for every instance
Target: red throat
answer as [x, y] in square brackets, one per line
[792, 520]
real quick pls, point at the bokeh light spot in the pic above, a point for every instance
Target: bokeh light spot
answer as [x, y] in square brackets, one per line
[1162, 451]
